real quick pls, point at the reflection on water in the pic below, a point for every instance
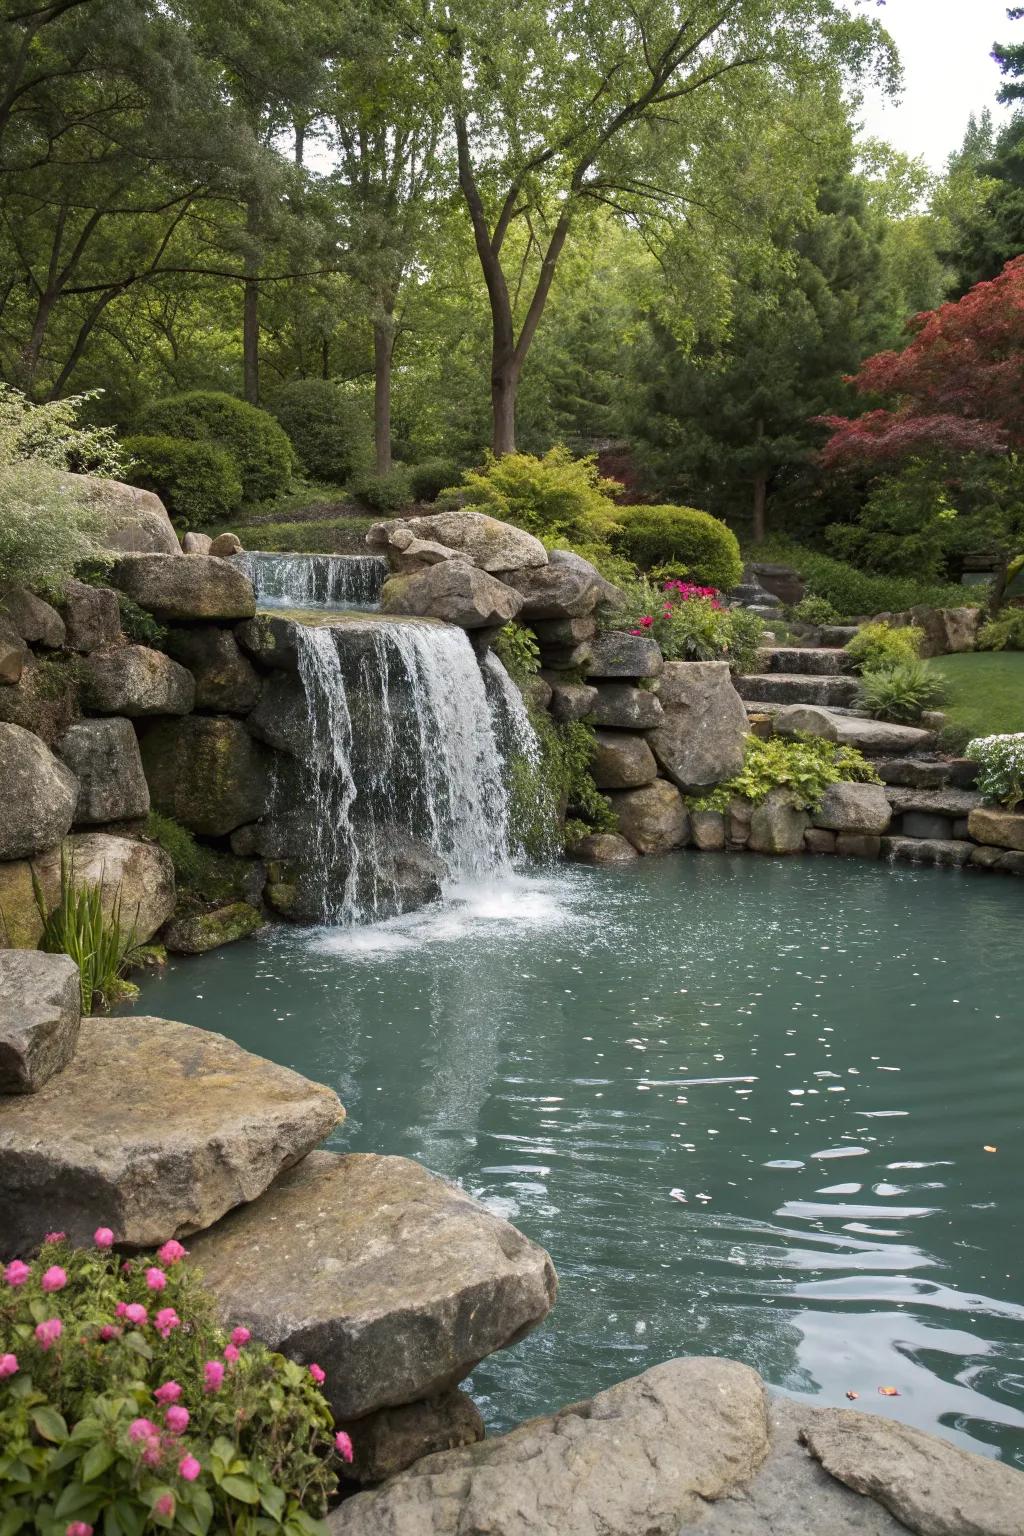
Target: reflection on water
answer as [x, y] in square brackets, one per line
[744, 1103]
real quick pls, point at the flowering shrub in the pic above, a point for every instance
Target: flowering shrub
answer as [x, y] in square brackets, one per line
[691, 623]
[1000, 761]
[124, 1407]
[806, 766]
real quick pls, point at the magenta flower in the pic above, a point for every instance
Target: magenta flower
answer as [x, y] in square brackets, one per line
[49, 1332]
[155, 1279]
[240, 1337]
[176, 1418]
[55, 1279]
[343, 1445]
[121, 1309]
[142, 1429]
[168, 1393]
[54, 1237]
[78, 1528]
[230, 1353]
[103, 1237]
[16, 1272]
[136, 1313]
[153, 1452]
[213, 1372]
[108, 1332]
[647, 621]
[171, 1252]
[318, 1375]
[165, 1320]
[164, 1505]
[8, 1365]
[189, 1468]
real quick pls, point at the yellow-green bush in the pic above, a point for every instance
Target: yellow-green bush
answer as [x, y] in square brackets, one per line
[558, 497]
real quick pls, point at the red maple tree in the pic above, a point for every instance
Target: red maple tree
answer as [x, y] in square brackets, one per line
[958, 386]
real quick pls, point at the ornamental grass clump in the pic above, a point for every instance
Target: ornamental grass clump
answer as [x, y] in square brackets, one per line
[901, 693]
[101, 946]
[1000, 761]
[125, 1408]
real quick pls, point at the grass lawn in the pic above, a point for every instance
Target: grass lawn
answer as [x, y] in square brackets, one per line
[986, 690]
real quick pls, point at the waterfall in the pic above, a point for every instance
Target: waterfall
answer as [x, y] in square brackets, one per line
[315, 581]
[401, 790]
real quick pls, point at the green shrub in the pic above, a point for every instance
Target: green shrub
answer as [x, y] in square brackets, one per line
[815, 610]
[101, 946]
[544, 790]
[327, 427]
[688, 625]
[125, 1407]
[905, 524]
[854, 593]
[876, 647]
[429, 479]
[901, 693]
[196, 481]
[385, 494]
[694, 543]
[258, 446]
[1000, 761]
[200, 872]
[517, 649]
[52, 434]
[806, 766]
[1003, 633]
[558, 497]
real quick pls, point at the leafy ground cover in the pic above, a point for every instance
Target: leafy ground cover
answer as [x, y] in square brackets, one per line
[986, 690]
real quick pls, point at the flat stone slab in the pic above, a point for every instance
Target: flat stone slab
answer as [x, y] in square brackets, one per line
[934, 802]
[998, 828]
[951, 852]
[155, 1129]
[641, 1459]
[871, 736]
[40, 1013]
[201, 587]
[393, 1281]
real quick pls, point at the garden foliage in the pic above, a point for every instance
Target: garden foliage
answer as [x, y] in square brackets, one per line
[196, 481]
[327, 427]
[690, 623]
[901, 693]
[695, 544]
[1000, 761]
[877, 646]
[557, 497]
[102, 945]
[258, 446]
[1004, 633]
[805, 766]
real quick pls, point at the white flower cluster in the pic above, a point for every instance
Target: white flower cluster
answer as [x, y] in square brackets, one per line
[1000, 761]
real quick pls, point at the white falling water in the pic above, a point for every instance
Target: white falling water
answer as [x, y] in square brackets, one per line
[332, 845]
[315, 581]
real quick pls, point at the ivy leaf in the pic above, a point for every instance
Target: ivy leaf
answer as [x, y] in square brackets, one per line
[49, 1425]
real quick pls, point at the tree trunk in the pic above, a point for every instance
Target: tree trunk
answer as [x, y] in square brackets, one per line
[383, 353]
[28, 363]
[1000, 582]
[760, 508]
[504, 389]
[251, 311]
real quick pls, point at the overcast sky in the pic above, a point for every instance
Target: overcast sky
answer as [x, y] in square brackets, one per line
[945, 46]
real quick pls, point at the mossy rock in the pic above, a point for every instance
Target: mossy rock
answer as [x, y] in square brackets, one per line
[206, 772]
[45, 700]
[193, 933]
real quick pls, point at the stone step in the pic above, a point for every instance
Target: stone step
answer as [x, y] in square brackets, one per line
[816, 661]
[836, 634]
[948, 852]
[876, 738]
[796, 688]
[955, 803]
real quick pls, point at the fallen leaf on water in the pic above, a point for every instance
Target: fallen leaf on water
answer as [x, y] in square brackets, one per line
[990, 1149]
[677, 1194]
[853, 1396]
[889, 1391]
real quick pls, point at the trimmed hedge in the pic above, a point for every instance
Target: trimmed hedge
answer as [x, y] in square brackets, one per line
[383, 493]
[256, 442]
[327, 428]
[429, 479]
[855, 593]
[197, 482]
[693, 543]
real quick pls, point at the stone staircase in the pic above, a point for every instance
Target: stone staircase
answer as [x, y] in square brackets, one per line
[818, 675]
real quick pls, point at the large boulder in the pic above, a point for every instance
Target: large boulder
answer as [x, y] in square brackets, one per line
[393, 1281]
[195, 1126]
[40, 1014]
[616, 653]
[140, 875]
[37, 622]
[486, 542]
[195, 933]
[626, 708]
[196, 543]
[778, 824]
[281, 718]
[104, 757]
[207, 772]
[569, 701]
[854, 808]
[621, 761]
[709, 830]
[386, 1442]
[45, 698]
[874, 737]
[133, 521]
[225, 545]
[946, 630]
[566, 588]
[648, 1456]
[454, 591]
[654, 818]
[702, 738]
[272, 640]
[602, 848]
[996, 827]
[92, 617]
[171, 587]
[14, 654]
[39, 792]
[225, 679]
[134, 680]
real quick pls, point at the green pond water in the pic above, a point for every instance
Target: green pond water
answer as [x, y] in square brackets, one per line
[744, 1103]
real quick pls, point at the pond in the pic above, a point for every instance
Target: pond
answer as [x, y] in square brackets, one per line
[752, 1107]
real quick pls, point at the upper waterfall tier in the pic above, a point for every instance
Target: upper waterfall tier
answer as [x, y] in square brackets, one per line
[315, 581]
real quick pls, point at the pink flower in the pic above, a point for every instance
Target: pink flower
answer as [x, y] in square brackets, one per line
[78, 1528]
[54, 1237]
[213, 1372]
[8, 1365]
[108, 1332]
[318, 1375]
[16, 1272]
[165, 1320]
[343, 1445]
[240, 1336]
[189, 1468]
[155, 1279]
[103, 1237]
[647, 621]
[168, 1393]
[176, 1418]
[121, 1309]
[142, 1429]
[127, 1267]
[49, 1332]
[136, 1313]
[164, 1505]
[230, 1353]
[153, 1452]
[171, 1252]
[55, 1279]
